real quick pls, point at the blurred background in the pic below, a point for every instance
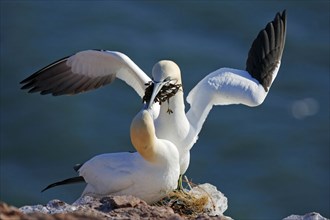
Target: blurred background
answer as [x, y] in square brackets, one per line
[270, 161]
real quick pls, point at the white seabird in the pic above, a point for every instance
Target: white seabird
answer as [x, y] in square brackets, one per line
[225, 86]
[90, 69]
[149, 174]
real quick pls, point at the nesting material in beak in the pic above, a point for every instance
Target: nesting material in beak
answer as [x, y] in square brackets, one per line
[164, 93]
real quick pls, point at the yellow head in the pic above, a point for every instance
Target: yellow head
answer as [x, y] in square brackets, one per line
[143, 135]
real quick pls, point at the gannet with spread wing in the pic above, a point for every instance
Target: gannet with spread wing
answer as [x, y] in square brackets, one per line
[224, 86]
[91, 69]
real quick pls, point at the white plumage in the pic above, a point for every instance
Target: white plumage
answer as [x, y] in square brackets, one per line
[150, 173]
[91, 69]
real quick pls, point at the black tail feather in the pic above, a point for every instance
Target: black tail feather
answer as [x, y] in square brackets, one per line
[77, 179]
[77, 166]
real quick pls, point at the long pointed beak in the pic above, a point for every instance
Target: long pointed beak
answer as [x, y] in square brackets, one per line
[157, 87]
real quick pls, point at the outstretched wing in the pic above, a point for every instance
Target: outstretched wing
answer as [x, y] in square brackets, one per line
[227, 86]
[84, 71]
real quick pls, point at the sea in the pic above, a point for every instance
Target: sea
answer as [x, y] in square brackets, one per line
[270, 161]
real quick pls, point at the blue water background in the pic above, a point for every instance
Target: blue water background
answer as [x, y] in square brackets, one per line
[270, 161]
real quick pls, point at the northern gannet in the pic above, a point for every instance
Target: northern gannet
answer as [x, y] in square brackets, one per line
[90, 69]
[150, 173]
[225, 86]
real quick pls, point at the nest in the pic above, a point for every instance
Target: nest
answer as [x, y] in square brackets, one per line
[166, 92]
[185, 203]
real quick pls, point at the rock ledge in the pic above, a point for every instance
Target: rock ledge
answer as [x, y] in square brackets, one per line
[201, 202]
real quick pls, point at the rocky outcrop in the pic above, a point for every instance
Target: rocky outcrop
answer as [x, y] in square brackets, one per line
[201, 202]
[308, 216]
[112, 207]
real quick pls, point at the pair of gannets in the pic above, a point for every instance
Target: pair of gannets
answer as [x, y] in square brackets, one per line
[162, 138]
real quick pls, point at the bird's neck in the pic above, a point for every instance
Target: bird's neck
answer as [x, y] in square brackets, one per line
[175, 105]
[143, 135]
[172, 123]
[152, 149]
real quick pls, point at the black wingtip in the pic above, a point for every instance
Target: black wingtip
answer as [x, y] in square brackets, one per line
[22, 82]
[284, 19]
[77, 179]
[267, 49]
[33, 80]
